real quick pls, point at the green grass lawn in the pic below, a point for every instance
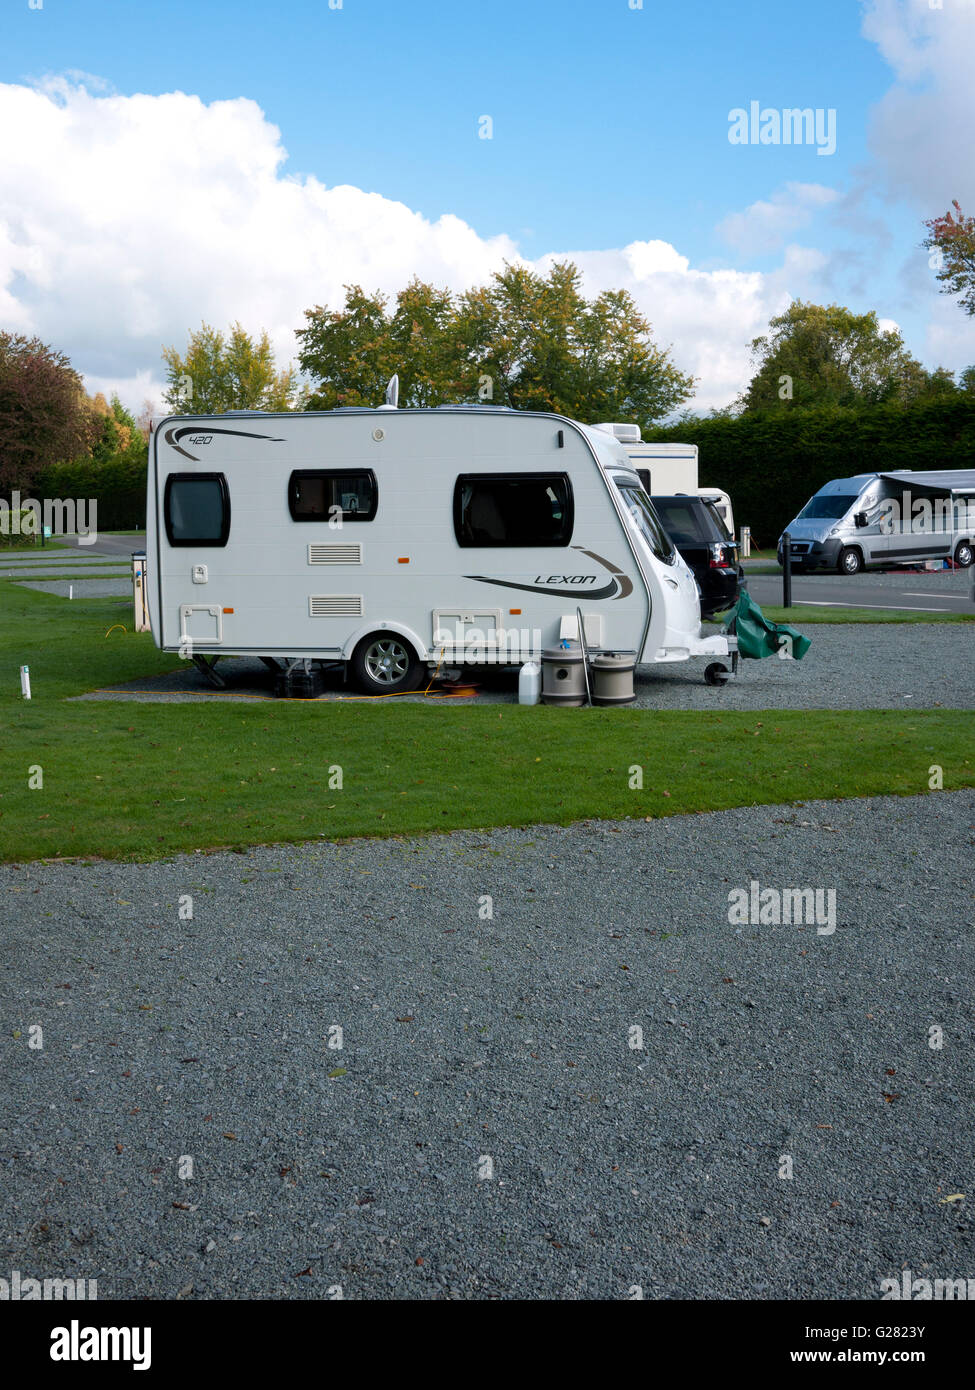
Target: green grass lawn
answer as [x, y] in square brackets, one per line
[142, 781]
[14, 546]
[800, 615]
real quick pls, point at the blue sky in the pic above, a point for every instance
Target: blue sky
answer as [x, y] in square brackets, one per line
[610, 128]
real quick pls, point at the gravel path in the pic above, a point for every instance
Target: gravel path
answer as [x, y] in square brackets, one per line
[93, 575]
[41, 559]
[505, 1039]
[83, 571]
[848, 666]
[83, 588]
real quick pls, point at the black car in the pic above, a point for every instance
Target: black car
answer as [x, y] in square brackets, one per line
[695, 526]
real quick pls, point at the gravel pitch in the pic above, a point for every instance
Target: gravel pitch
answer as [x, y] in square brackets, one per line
[468, 1039]
[41, 559]
[69, 571]
[83, 588]
[848, 666]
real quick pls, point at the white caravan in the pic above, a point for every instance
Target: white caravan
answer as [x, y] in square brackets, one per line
[398, 540]
[668, 470]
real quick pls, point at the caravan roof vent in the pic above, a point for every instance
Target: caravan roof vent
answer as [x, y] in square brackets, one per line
[626, 434]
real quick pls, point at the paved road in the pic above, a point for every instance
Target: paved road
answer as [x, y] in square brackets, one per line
[109, 545]
[944, 591]
[488, 1130]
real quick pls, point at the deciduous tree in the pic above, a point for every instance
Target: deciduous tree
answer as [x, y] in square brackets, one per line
[218, 373]
[818, 354]
[525, 340]
[45, 416]
[951, 241]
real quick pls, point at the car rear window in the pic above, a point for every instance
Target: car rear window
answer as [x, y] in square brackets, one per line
[688, 521]
[716, 512]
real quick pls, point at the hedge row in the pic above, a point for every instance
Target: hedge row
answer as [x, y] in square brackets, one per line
[771, 464]
[118, 486]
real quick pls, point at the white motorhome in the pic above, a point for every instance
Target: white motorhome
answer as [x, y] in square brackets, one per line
[881, 520]
[396, 540]
[667, 470]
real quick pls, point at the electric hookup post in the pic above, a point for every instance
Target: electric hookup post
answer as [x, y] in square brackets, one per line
[786, 570]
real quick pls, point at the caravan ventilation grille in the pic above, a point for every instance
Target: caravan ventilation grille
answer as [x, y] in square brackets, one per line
[335, 605]
[338, 554]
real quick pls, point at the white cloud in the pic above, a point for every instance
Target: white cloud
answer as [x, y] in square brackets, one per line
[921, 131]
[125, 221]
[767, 224]
[949, 336]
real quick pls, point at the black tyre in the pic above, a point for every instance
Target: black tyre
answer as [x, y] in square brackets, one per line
[963, 554]
[715, 674]
[850, 561]
[386, 664]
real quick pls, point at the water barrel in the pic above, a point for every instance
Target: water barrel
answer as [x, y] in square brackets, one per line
[563, 676]
[612, 678]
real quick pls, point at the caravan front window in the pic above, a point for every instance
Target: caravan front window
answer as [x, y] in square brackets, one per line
[523, 509]
[647, 522]
[196, 507]
[316, 494]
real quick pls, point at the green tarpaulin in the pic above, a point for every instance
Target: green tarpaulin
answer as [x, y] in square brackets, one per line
[757, 637]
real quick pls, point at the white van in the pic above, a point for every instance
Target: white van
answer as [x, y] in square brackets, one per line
[881, 520]
[393, 541]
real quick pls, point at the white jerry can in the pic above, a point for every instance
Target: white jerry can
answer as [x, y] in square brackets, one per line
[530, 683]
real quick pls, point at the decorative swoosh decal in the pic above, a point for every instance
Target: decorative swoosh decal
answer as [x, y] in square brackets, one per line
[618, 587]
[626, 584]
[610, 590]
[173, 437]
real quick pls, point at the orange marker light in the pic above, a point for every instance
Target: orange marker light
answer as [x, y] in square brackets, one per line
[514, 611]
[228, 610]
[403, 560]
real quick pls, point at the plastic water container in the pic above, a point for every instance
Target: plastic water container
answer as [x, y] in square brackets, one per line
[612, 678]
[563, 675]
[529, 683]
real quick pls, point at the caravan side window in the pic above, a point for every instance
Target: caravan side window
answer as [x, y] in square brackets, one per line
[196, 507]
[316, 494]
[524, 509]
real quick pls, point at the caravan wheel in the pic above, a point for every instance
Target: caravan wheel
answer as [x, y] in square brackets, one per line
[385, 664]
[963, 555]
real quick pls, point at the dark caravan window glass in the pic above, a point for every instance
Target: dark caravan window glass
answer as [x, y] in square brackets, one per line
[518, 509]
[197, 509]
[316, 494]
[647, 522]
